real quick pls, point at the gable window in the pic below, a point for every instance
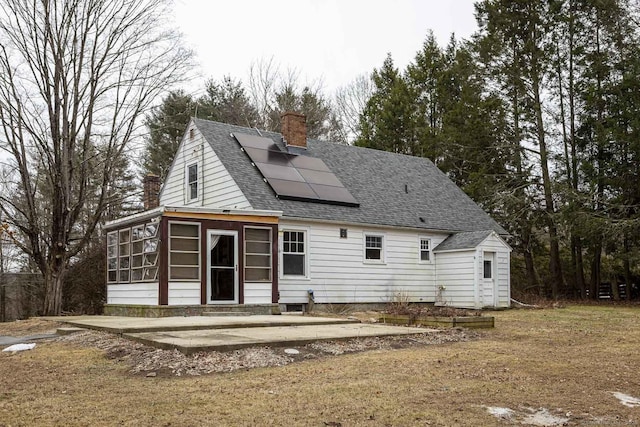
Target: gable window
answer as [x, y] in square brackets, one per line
[293, 253]
[184, 251]
[425, 249]
[373, 247]
[257, 254]
[192, 182]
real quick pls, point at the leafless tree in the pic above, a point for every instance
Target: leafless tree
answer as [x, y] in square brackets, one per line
[349, 102]
[273, 91]
[263, 85]
[75, 77]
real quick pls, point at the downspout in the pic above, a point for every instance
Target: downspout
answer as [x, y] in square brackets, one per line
[476, 282]
[202, 167]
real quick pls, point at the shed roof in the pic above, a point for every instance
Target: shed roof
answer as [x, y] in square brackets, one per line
[465, 240]
[392, 189]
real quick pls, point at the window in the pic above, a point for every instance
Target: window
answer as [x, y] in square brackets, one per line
[373, 248]
[488, 270]
[192, 182]
[132, 254]
[112, 257]
[257, 254]
[293, 253]
[184, 251]
[425, 246]
[144, 252]
[124, 252]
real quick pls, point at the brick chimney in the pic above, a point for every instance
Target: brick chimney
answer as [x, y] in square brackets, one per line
[151, 196]
[294, 128]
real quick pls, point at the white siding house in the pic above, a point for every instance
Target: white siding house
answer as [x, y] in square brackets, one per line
[337, 271]
[473, 270]
[252, 220]
[215, 186]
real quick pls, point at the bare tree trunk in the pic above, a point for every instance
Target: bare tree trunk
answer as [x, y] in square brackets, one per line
[596, 278]
[555, 269]
[576, 254]
[532, 274]
[53, 292]
[576, 241]
[596, 275]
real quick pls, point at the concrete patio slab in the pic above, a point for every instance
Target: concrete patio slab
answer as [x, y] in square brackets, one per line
[193, 341]
[122, 325]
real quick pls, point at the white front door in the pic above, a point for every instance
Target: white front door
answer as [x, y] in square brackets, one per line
[222, 267]
[488, 279]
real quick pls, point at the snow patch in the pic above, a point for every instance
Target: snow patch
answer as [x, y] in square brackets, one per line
[498, 412]
[20, 347]
[627, 400]
[542, 417]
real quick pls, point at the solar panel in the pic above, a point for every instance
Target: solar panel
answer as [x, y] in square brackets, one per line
[317, 177]
[292, 190]
[335, 194]
[306, 162]
[292, 176]
[279, 172]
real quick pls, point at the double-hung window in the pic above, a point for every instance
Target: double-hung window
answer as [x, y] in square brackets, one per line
[293, 253]
[192, 182]
[425, 249]
[373, 247]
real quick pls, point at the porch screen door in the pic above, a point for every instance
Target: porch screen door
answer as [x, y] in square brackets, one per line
[222, 281]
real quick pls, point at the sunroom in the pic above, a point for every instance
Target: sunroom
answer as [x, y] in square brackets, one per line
[172, 261]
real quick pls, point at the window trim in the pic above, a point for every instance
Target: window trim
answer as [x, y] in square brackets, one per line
[199, 239]
[429, 259]
[307, 274]
[187, 183]
[245, 253]
[383, 249]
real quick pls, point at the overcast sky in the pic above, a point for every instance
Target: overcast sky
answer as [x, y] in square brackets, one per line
[332, 40]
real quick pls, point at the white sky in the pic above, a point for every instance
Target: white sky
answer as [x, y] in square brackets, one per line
[332, 40]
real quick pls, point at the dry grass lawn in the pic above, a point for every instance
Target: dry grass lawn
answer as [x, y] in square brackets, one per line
[567, 360]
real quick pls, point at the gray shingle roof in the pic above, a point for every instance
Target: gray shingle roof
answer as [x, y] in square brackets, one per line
[375, 178]
[465, 240]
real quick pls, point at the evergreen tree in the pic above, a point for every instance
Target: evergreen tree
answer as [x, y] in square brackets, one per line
[389, 121]
[425, 77]
[519, 29]
[166, 125]
[227, 102]
[321, 120]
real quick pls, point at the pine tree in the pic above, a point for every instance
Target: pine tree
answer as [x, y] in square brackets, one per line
[389, 120]
[166, 126]
[227, 102]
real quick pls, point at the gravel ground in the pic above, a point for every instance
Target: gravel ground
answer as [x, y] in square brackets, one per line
[150, 361]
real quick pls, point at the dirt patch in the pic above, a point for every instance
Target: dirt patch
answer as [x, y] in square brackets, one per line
[144, 359]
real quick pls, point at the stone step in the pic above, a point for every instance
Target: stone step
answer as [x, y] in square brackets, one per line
[226, 313]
